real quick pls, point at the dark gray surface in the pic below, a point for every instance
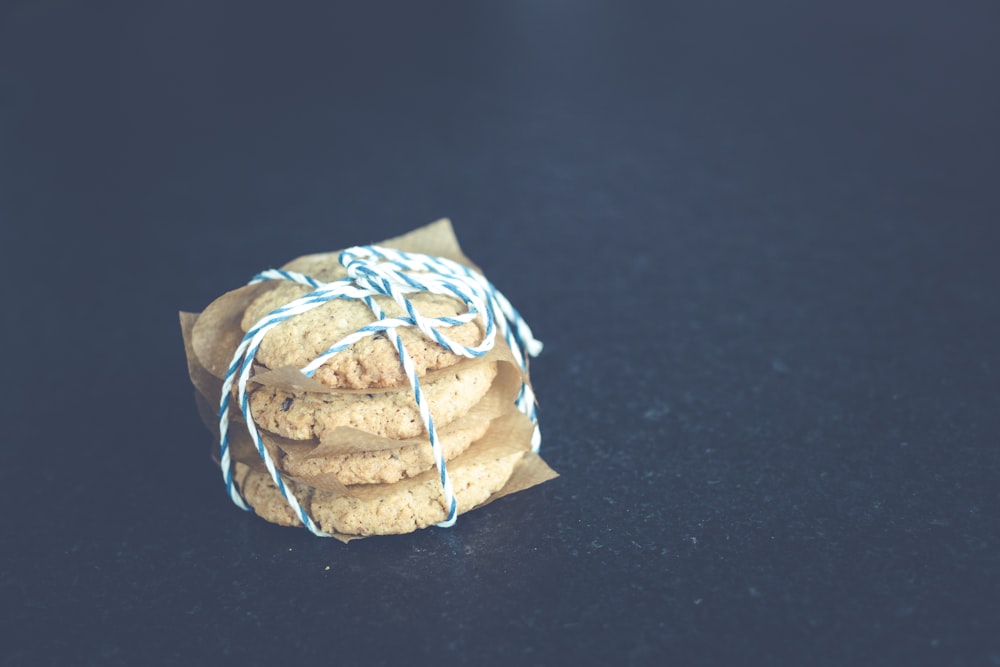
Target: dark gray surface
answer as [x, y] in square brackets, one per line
[759, 243]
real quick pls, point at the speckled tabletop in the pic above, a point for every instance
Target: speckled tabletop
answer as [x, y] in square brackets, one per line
[760, 245]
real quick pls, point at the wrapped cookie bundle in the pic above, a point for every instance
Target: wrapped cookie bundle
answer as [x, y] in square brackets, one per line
[377, 390]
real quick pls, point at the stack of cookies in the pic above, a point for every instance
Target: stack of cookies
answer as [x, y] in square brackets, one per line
[349, 442]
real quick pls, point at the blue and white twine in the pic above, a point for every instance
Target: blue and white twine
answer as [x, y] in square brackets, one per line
[377, 271]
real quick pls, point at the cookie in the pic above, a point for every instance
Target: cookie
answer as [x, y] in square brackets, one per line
[384, 466]
[390, 414]
[383, 509]
[372, 362]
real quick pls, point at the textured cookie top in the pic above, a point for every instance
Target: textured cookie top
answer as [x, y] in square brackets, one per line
[370, 363]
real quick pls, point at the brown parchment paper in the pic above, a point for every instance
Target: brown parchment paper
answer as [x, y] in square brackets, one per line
[207, 384]
[211, 338]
